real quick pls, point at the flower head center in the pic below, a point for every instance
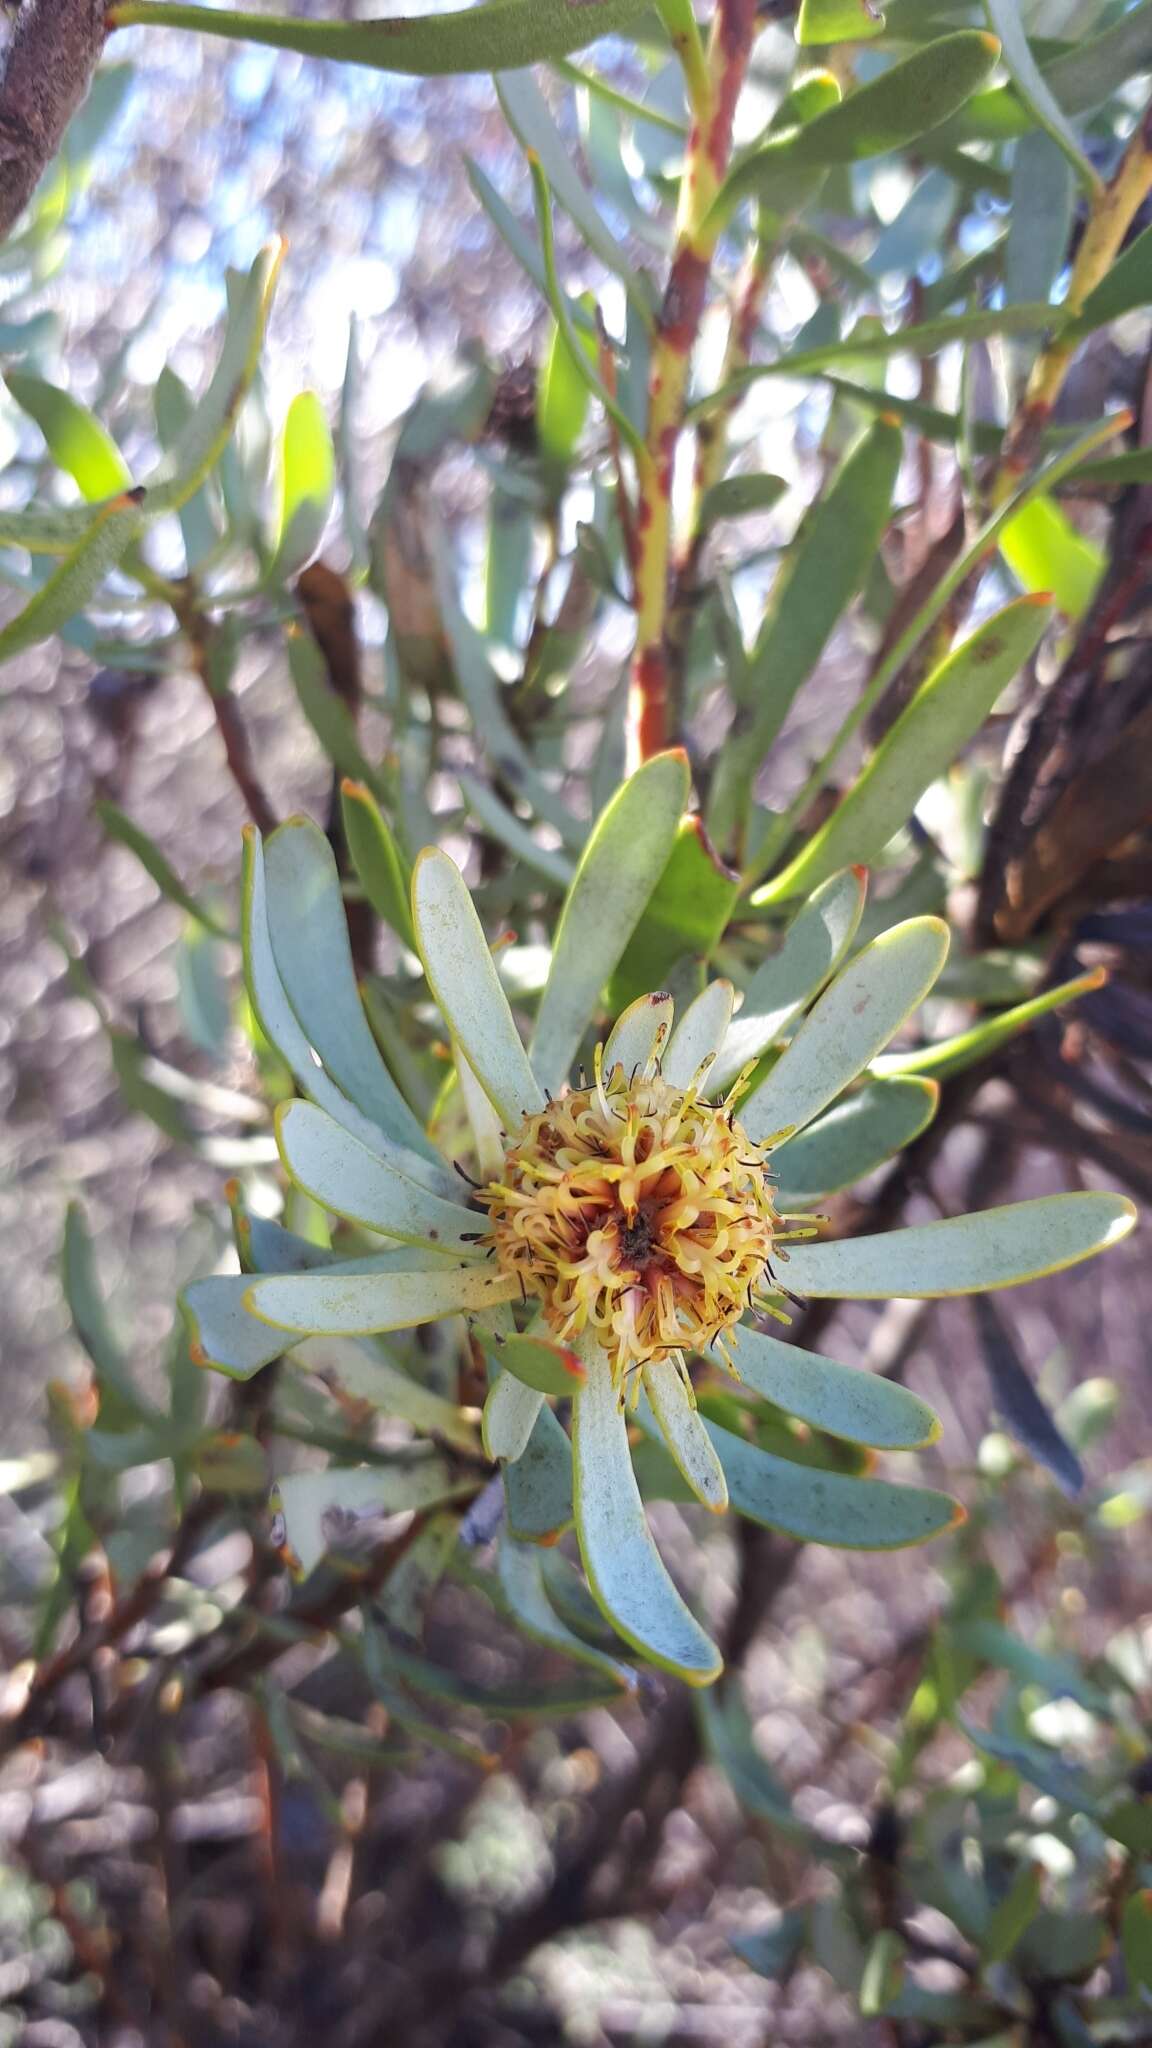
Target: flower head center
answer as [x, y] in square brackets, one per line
[637, 1212]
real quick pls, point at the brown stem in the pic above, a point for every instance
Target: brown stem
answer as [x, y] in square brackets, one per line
[54, 51]
[198, 630]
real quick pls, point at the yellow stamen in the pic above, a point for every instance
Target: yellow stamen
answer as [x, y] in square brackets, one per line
[638, 1213]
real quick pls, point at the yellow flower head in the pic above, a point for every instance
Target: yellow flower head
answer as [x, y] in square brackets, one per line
[638, 1212]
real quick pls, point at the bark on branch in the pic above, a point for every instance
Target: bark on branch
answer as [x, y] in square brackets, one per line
[53, 53]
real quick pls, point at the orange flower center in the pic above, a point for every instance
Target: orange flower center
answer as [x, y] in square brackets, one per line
[638, 1212]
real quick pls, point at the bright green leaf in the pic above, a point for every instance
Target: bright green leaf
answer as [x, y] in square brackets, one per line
[1046, 553]
[306, 475]
[77, 442]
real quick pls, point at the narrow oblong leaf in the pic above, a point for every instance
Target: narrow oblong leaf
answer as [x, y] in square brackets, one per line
[813, 947]
[363, 1370]
[512, 832]
[829, 1507]
[77, 442]
[1127, 285]
[538, 1488]
[344, 1304]
[509, 1417]
[1022, 1411]
[929, 735]
[541, 1363]
[685, 1437]
[56, 530]
[734, 497]
[528, 115]
[306, 475]
[377, 859]
[837, 21]
[109, 536]
[965, 1254]
[620, 1558]
[852, 1139]
[863, 1009]
[126, 833]
[926, 338]
[1045, 552]
[1043, 196]
[488, 38]
[464, 981]
[1007, 21]
[952, 1055]
[321, 1508]
[626, 853]
[900, 106]
[329, 717]
[524, 1587]
[282, 1028]
[686, 914]
[696, 1041]
[343, 1175]
[824, 570]
[638, 1037]
[309, 938]
[202, 441]
[843, 1400]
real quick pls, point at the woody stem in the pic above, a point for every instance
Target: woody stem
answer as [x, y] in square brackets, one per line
[714, 79]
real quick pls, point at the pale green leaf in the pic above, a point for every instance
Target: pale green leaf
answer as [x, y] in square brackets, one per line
[109, 536]
[1046, 553]
[828, 1507]
[343, 1304]
[281, 1027]
[343, 1175]
[377, 859]
[1006, 18]
[309, 937]
[363, 1370]
[464, 981]
[620, 1557]
[698, 1037]
[841, 1399]
[639, 1036]
[965, 1254]
[815, 943]
[538, 1487]
[155, 863]
[509, 1417]
[523, 1584]
[540, 1362]
[851, 1140]
[623, 860]
[688, 1443]
[898, 107]
[952, 1055]
[321, 1508]
[853, 1020]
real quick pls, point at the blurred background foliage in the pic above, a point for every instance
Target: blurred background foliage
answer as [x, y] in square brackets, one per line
[398, 598]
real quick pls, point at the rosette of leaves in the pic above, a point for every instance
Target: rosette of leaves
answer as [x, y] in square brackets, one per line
[616, 1242]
